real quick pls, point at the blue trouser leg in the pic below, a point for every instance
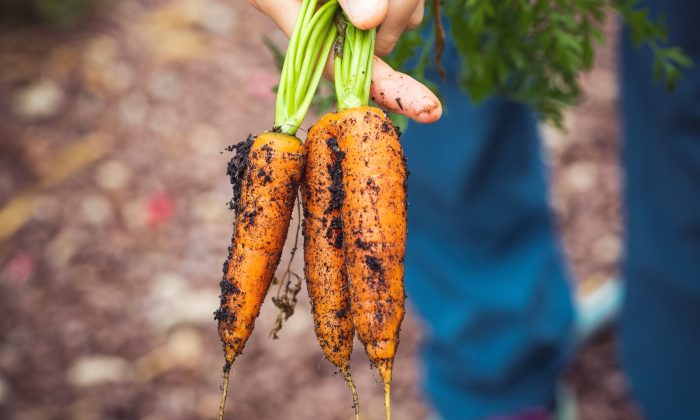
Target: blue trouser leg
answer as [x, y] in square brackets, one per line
[661, 317]
[483, 266]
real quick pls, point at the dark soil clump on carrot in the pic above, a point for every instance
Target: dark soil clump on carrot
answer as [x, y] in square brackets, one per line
[373, 264]
[236, 168]
[362, 244]
[336, 173]
[336, 226]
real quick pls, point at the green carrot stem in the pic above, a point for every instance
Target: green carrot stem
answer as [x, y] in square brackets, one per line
[328, 44]
[324, 12]
[348, 51]
[320, 31]
[287, 71]
[369, 65]
[309, 47]
[353, 67]
[305, 15]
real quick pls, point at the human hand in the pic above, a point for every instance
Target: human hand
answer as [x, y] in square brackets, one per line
[395, 17]
[390, 89]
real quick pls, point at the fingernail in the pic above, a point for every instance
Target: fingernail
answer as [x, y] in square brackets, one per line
[366, 14]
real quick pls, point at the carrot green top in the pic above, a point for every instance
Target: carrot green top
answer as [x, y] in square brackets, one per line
[311, 41]
[354, 53]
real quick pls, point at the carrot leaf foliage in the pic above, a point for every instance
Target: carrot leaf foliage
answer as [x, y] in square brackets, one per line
[532, 51]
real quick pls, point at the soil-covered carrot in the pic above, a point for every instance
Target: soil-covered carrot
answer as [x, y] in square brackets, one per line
[374, 231]
[265, 173]
[374, 228]
[326, 277]
[374, 204]
[354, 194]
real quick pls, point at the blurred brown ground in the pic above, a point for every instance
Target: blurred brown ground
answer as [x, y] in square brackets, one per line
[114, 225]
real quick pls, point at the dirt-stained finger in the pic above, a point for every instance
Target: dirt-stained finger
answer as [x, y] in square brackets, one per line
[400, 93]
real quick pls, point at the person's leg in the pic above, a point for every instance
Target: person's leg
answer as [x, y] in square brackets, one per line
[661, 316]
[483, 266]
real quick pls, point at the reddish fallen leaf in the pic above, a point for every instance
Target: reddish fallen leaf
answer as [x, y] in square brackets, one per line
[160, 209]
[20, 268]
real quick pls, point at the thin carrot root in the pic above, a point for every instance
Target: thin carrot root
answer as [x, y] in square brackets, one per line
[353, 389]
[224, 394]
[286, 298]
[387, 399]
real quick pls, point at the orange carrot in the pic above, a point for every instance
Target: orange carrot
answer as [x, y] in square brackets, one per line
[374, 204]
[354, 193]
[326, 277]
[266, 178]
[374, 231]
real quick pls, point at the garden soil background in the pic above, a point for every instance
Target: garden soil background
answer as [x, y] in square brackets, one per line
[114, 225]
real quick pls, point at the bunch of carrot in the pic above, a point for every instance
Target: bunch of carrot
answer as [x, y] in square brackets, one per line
[353, 187]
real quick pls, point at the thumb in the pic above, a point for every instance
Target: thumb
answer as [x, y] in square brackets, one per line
[365, 14]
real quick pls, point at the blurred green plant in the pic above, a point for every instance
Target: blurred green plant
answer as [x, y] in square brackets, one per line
[61, 13]
[532, 51]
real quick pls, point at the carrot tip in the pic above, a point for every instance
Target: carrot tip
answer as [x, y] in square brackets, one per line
[387, 400]
[224, 394]
[353, 389]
